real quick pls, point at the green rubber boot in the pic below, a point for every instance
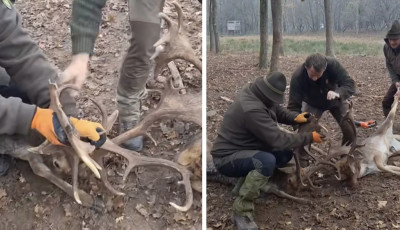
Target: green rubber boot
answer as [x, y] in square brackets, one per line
[243, 205]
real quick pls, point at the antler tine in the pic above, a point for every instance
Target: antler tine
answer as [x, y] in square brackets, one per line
[98, 156]
[75, 169]
[296, 155]
[81, 148]
[106, 121]
[173, 44]
[311, 172]
[180, 15]
[134, 161]
[186, 107]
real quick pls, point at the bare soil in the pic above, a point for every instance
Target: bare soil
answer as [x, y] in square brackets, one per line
[31, 202]
[373, 204]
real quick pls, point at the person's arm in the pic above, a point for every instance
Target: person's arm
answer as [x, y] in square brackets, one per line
[85, 23]
[346, 85]
[30, 71]
[392, 74]
[261, 125]
[285, 116]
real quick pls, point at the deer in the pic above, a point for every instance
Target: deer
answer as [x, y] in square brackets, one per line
[330, 158]
[370, 157]
[172, 105]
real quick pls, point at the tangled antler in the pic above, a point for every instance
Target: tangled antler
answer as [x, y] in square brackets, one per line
[174, 44]
[172, 105]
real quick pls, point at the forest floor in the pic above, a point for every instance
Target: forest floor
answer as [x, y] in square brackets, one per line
[31, 202]
[372, 204]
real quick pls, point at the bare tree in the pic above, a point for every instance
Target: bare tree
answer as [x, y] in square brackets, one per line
[276, 8]
[329, 27]
[263, 63]
[210, 26]
[213, 27]
[357, 16]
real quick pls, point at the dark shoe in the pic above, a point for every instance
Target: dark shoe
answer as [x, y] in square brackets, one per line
[135, 144]
[4, 165]
[244, 223]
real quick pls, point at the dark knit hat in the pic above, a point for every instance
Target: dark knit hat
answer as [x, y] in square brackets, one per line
[276, 85]
[394, 32]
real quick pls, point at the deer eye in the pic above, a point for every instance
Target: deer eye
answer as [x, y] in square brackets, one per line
[55, 163]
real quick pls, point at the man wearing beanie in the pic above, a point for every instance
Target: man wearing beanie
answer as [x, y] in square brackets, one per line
[251, 145]
[391, 49]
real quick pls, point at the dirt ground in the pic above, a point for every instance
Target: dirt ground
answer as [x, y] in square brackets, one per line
[30, 202]
[373, 204]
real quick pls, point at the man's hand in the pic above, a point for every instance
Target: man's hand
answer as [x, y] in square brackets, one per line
[77, 70]
[45, 121]
[302, 118]
[332, 95]
[317, 138]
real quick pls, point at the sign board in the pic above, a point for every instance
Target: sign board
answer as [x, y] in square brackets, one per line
[233, 25]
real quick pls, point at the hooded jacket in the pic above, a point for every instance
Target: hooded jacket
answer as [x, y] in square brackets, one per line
[314, 93]
[252, 124]
[392, 58]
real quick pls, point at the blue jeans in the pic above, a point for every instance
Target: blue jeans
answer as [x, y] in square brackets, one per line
[242, 162]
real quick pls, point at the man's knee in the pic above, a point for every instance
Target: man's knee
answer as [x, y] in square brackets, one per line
[283, 157]
[265, 163]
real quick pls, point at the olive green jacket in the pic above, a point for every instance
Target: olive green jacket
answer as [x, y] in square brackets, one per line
[250, 124]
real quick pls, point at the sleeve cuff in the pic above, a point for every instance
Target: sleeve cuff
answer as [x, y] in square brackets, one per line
[82, 44]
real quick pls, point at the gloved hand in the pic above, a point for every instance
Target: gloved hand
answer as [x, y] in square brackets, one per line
[77, 70]
[332, 95]
[317, 138]
[302, 118]
[45, 121]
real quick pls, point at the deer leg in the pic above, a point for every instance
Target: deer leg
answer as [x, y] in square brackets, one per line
[381, 166]
[393, 167]
[271, 188]
[40, 169]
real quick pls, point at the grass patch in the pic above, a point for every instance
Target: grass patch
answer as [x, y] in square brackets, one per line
[294, 46]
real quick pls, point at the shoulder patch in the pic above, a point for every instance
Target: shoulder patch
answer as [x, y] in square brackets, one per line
[7, 3]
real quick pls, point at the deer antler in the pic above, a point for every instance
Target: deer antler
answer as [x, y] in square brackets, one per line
[82, 149]
[172, 105]
[173, 44]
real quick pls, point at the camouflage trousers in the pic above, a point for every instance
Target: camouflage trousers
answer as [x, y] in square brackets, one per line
[145, 28]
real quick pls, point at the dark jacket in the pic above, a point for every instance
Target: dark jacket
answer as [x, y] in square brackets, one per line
[29, 70]
[334, 78]
[249, 124]
[392, 58]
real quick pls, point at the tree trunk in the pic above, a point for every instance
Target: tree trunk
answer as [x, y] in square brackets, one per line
[311, 16]
[210, 26]
[357, 16]
[276, 8]
[263, 62]
[214, 24]
[329, 27]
